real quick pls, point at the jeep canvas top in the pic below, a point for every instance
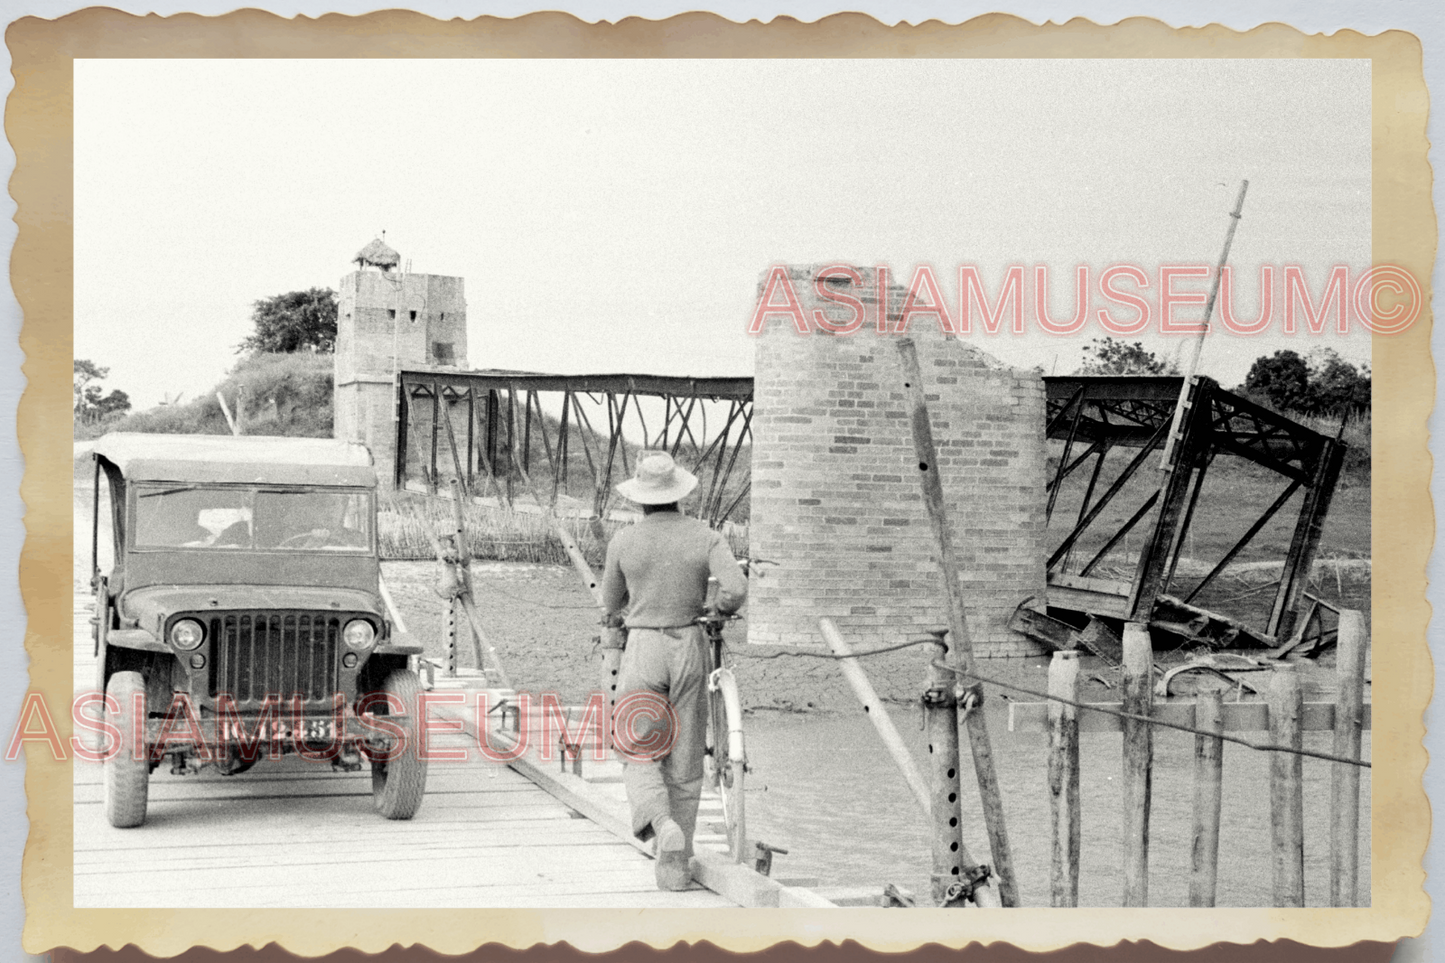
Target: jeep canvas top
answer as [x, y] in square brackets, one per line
[246, 590]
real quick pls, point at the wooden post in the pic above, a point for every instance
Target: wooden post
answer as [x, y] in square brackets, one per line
[1345, 780]
[1064, 780]
[449, 633]
[1286, 787]
[940, 720]
[226, 410]
[1208, 798]
[878, 714]
[464, 566]
[1138, 761]
[962, 643]
[240, 409]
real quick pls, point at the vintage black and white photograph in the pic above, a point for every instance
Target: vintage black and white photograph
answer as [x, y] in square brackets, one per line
[724, 483]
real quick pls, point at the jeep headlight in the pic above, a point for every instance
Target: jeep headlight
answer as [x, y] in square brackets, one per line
[187, 634]
[359, 634]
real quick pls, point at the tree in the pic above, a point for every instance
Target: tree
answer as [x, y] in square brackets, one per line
[86, 371]
[1323, 384]
[1282, 379]
[112, 404]
[1336, 385]
[1109, 356]
[295, 321]
[88, 397]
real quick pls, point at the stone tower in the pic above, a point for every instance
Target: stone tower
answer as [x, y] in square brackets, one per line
[388, 320]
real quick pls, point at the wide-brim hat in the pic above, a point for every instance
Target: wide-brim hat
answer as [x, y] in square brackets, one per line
[658, 481]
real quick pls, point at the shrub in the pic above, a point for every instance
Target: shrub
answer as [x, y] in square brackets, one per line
[285, 394]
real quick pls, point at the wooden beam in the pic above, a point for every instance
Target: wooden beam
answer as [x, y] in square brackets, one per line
[1234, 716]
[1286, 788]
[1138, 762]
[1064, 781]
[1174, 488]
[961, 641]
[1208, 800]
[1350, 653]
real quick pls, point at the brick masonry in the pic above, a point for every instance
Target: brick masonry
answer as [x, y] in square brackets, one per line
[837, 502]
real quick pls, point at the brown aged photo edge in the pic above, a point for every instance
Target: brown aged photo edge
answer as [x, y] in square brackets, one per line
[39, 125]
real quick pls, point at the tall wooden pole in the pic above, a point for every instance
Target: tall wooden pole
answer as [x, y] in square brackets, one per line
[1286, 788]
[1138, 761]
[877, 714]
[1208, 799]
[1064, 780]
[1170, 444]
[962, 643]
[1345, 780]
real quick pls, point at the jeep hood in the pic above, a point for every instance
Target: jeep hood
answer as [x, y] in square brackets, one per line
[152, 605]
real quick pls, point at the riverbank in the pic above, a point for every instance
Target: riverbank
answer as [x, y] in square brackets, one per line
[542, 622]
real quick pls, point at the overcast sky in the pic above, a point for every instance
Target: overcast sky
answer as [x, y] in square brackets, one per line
[616, 215]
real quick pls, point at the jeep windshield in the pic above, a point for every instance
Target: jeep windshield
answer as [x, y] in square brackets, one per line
[270, 519]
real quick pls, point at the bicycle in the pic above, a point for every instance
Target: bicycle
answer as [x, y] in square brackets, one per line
[725, 755]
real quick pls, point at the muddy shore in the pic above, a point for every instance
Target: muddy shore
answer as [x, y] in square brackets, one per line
[542, 622]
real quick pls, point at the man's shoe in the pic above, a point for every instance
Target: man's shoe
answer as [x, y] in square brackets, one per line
[673, 872]
[672, 868]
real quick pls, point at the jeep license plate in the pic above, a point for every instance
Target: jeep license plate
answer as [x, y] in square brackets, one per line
[312, 730]
[319, 729]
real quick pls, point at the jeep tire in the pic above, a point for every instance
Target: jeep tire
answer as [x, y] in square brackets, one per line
[127, 779]
[397, 785]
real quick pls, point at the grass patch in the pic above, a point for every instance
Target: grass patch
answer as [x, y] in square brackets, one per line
[285, 394]
[406, 523]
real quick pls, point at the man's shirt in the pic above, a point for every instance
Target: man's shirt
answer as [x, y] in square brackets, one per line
[657, 571]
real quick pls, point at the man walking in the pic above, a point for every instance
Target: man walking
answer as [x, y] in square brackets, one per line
[656, 582]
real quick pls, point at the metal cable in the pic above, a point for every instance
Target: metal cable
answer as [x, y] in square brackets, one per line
[830, 655]
[1095, 707]
[1087, 706]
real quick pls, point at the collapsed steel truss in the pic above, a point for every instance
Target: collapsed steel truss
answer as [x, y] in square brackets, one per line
[1137, 413]
[508, 414]
[704, 422]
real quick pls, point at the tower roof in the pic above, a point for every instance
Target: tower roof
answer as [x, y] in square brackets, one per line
[377, 254]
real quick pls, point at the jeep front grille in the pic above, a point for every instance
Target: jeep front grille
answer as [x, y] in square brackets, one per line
[254, 654]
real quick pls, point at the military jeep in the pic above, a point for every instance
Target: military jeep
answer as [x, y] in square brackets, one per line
[244, 615]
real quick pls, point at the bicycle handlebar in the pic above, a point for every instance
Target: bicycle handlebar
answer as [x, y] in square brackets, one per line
[715, 618]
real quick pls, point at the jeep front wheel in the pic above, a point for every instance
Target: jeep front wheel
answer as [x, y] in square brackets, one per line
[398, 783]
[127, 778]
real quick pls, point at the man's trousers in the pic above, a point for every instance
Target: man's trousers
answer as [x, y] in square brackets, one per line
[670, 664]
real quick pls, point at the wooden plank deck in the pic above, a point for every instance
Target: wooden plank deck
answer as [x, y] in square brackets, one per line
[297, 834]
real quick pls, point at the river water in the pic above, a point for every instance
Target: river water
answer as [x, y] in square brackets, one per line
[824, 788]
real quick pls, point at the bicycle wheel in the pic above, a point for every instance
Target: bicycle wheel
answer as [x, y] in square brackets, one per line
[729, 758]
